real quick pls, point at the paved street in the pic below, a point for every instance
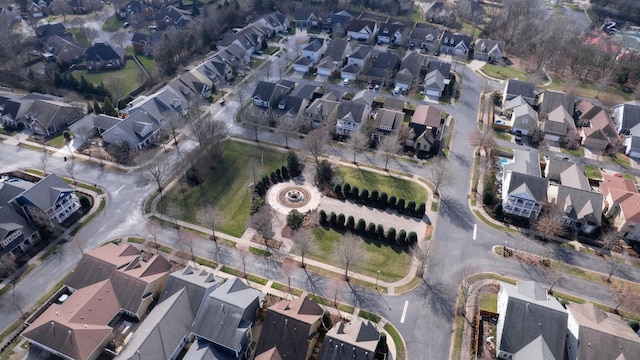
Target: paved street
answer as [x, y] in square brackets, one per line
[430, 308]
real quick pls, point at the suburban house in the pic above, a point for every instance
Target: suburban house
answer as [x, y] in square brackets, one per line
[47, 31]
[306, 18]
[217, 71]
[336, 23]
[557, 124]
[137, 130]
[515, 88]
[17, 235]
[303, 65]
[531, 325]
[524, 120]
[279, 22]
[360, 56]
[471, 9]
[160, 105]
[622, 205]
[386, 121]
[600, 132]
[321, 111]
[435, 11]
[488, 50]
[333, 57]
[47, 203]
[170, 17]
[427, 128]
[169, 326]
[192, 86]
[437, 78]
[425, 37]
[48, 117]
[227, 316]
[549, 100]
[63, 49]
[455, 44]
[137, 10]
[291, 327]
[362, 30]
[409, 72]
[289, 108]
[306, 91]
[350, 117]
[594, 334]
[627, 120]
[393, 34]
[584, 111]
[524, 190]
[314, 49]
[146, 44]
[384, 68]
[267, 93]
[116, 280]
[581, 209]
[104, 56]
[360, 337]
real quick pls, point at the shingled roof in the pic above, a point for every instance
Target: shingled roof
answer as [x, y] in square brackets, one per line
[360, 337]
[45, 193]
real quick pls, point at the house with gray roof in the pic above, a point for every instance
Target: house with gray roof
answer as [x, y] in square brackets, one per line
[289, 108]
[455, 44]
[386, 121]
[336, 23]
[64, 50]
[305, 91]
[409, 72]
[104, 56]
[351, 117]
[393, 34]
[267, 93]
[160, 105]
[193, 86]
[531, 325]
[306, 18]
[303, 65]
[549, 100]
[227, 316]
[278, 21]
[357, 340]
[384, 68]
[171, 17]
[48, 203]
[333, 57]
[425, 37]
[557, 124]
[626, 118]
[13, 111]
[360, 56]
[515, 87]
[321, 111]
[48, 117]
[362, 30]
[524, 120]
[488, 50]
[567, 174]
[437, 78]
[314, 49]
[581, 209]
[291, 327]
[524, 190]
[197, 283]
[594, 334]
[17, 235]
[203, 350]
[137, 130]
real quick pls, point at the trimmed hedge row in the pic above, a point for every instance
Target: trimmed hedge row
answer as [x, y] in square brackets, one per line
[370, 230]
[379, 200]
[260, 189]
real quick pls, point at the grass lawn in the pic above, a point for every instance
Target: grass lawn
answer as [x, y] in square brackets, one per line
[392, 262]
[502, 135]
[271, 50]
[577, 152]
[593, 172]
[504, 72]
[57, 142]
[400, 188]
[126, 78]
[227, 188]
[78, 35]
[488, 301]
[397, 339]
[148, 63]
[586, 89]
[112, 24]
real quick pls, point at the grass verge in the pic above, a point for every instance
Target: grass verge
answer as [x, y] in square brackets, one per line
[397, 339]
[369, 316]
[165, 249]
[259, 252]
[207, 263]
[414, 283]
[285, 288]
[135, 240]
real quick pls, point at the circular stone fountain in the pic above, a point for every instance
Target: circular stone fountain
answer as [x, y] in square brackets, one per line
[293, 196]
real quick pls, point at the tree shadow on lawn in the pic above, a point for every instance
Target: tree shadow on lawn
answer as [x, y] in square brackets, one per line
[369, 240]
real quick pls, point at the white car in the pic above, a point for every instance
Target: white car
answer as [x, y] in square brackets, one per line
[396, 91]
[346, 82]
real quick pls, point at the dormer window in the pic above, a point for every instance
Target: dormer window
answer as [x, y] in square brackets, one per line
[568, 209]
[281, 105]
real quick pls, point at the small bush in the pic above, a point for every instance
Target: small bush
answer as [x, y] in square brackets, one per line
[421, 210]
[383, 200]
[635, 325]
[402, 237]
[497, 211]
[337, 189]
[380, 231]
[333, 219]
[351, 223]
[266, 182]
[295, 219]
[487, 197]
[323, 217]
[85, 203]
[391, 235]
[354, 193]
[412, 238]
[364, 196]
[374, 197]
[411, 207]
[325, 172]
[285, 173]
[392, 202]
[371, 229]
[346, 189]
[400, 206]
[340, 221]
[361, 226]
[293, 163]
[279, 175]
[274, 178]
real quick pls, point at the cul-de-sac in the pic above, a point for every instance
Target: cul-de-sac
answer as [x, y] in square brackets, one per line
[319, 179]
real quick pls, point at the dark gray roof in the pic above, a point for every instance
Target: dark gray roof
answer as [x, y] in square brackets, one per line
[450, 39]
[10, 221]
[104, 51]
[288, 104]
[488, 45]
[630, 116]
[584, 205]
[388, 29]
[550, 100]
[525, 162]
[314, 45]
[264, 90]
[443, 67]
[434, 80]
[351, 68]
[420, 33]
[305, 91]
[304, 61]
[534, 186]
[355, 340]
[204, 350]
[413, 62]
[387, 61]
[304, 13]
[227, 315]
[361, 52]
[517, 87]
[530, 314]
[336, 49]
[359, 24]
[10, 189]
[45, 193]
[196, 283]
[162, 331]
[349, 107]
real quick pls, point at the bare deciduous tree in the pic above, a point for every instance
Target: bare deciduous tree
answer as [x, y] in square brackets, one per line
[358, 142]
[89, 33]
[572, 140]
[390, 146]
[421, 253]
[7, 264]
[186, 243]
[289, 127]
[625, 296]
[43, 161]
[243, 253]
[349, 252]
[70, 167]
[173, 122]
[550, 222]
[154, 169]
[303, 242]
[441, 176]
[255, 119]
[315, 142]
[287, 269]
[483, 139]
[154, 230]
[211, 217]
[262, 223]
[119, 38]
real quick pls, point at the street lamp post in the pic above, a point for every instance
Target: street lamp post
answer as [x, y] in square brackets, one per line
[377, 276]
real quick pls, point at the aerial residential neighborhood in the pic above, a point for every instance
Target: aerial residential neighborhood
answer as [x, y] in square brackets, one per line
[391, 179]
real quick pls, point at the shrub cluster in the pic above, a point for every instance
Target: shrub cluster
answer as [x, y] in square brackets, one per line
[379, 200]
[260, 189]
[370, 230]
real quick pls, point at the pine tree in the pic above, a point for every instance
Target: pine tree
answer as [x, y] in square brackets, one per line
[96, 107]
[108, 107]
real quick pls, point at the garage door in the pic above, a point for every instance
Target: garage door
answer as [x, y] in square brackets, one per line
[550, 137]
[634, 154]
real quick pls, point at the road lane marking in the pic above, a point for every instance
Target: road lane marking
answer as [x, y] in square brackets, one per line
[475, 230]
[120, 188]
[404, 311]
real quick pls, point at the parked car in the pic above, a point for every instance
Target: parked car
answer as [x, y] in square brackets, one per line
[346, 82]
[396, 91]
[125, 24]
[376, 88]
